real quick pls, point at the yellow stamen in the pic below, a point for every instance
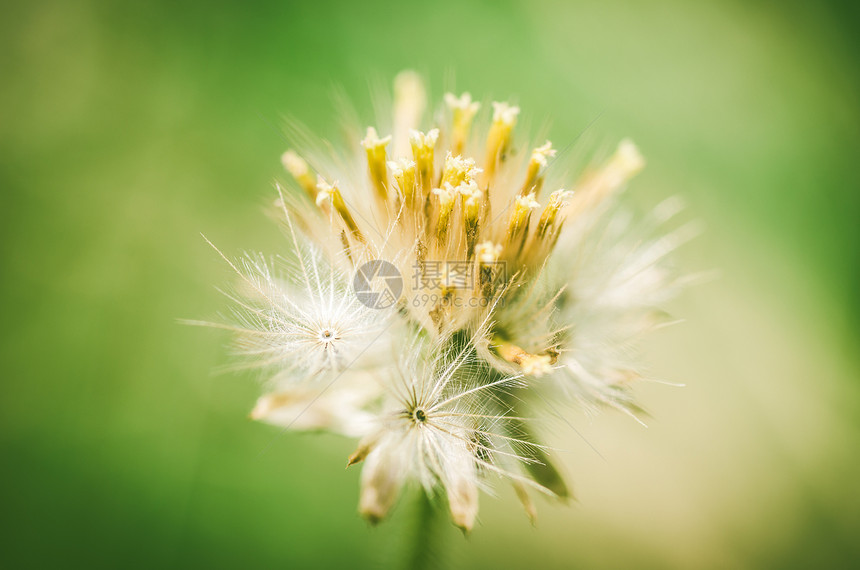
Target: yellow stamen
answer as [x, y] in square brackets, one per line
[488, 252]
[499, 138]
[472, 200]
[329, 193]
[422, 151]
[547, 219]
[404, 173]
[519, 223]
[300, 171]
[537, 165]
[446, 196]
[463, 111]
[459, 170]
[375, 148]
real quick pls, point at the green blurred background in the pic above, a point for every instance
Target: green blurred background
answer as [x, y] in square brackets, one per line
[126, 128]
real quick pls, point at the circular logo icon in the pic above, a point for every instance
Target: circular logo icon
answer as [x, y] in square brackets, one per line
[377, 284]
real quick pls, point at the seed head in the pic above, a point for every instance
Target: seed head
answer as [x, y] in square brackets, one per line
[485, 295]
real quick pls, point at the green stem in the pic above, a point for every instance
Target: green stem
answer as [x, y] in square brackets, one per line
[426, 549]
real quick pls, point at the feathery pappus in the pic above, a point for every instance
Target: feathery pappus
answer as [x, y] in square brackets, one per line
[434, 284]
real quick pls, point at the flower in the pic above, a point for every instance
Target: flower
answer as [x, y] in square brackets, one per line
[498, 291]
[441, 429]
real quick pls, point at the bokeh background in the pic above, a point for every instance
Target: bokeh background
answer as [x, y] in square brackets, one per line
[126, 128]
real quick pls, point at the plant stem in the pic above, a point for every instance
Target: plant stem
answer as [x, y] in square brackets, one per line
[426, 549]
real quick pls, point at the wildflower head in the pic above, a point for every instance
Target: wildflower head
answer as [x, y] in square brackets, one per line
[442, 430]
[506, 291]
